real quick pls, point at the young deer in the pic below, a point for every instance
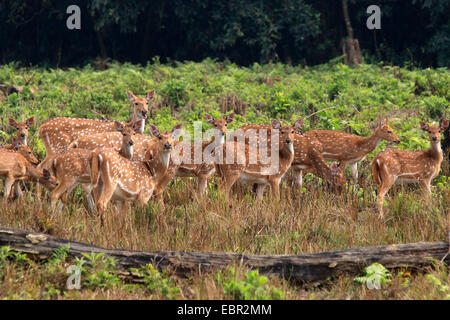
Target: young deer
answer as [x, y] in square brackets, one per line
[114, 140]
[73, 167]
[21, 129]
[58, 133]
[203, 170]
[421, 167]
[349, 148]
[123, 179]
[260, 173]
[15, 165]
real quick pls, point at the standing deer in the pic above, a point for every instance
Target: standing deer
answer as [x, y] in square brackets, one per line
[114, 140]
[203, 170]
[74, 167]
[421, 167]
[15, 165]
[350, 148]
[123, 179]
[260, 173]
[58, 133]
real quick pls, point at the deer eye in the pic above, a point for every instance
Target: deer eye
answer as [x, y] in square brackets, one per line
[389, 131]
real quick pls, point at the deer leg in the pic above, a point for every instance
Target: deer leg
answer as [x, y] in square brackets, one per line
[354, 171]
[298, 177]
[56, 194]
[105, 197]
[202, 185]
[384, 188]
[91, 204]
[275, 185]
[426, 186]
[228, 179]
[18, 190]
[7, 186]
[260, 191]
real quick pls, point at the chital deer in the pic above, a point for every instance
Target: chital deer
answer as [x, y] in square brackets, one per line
[244, 169]
[203, 169]
[58, 133]
[21, 128]
[14, 166]
[123, 179]
[114, 140]
[392, 165]
[350, 148]
[73, 167]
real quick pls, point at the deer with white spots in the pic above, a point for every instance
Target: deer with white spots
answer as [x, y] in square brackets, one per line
[349, 149]
[22, 129]
[203, 169]
[118, 178]
[114, 140]
[58, 133]
[246, 170]
[17, 164]
[394, 165]
[73, 167]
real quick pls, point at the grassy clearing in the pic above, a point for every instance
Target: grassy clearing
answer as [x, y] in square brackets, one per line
[304, 221]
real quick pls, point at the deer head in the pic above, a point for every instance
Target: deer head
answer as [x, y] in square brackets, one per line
[24, 150]
[141, 104]
[385, 132]
[434, 132]
[220, 126]
[22, 128]
[286, 136]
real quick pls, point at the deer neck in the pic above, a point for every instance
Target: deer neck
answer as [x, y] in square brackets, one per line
[160, 163]
[287, 153]
[435, 150]
[126, 151]
[370, 143]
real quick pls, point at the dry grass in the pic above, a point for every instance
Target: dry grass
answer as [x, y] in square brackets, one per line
[302, 222]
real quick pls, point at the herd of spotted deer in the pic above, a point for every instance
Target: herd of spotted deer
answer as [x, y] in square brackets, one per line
[117, 161]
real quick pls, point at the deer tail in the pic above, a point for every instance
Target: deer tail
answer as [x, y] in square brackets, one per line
[376, 171]
[96, 162]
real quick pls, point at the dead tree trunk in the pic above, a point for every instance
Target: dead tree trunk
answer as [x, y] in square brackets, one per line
[304, 267]
[350, 46]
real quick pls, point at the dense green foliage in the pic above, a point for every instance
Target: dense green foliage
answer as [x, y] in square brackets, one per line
[413, 32]
[351, 99]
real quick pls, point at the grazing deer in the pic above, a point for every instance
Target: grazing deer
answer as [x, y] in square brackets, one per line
[15, 166]
[114, 140]
[58, 133]
[21, 128]
[73, 167]
[245, 170]
[123, 179]
[421, 167]
[350, 148]
[202, 170]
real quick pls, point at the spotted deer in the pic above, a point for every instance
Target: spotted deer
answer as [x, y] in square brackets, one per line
[17, 165]
[22, 129]
[349, 149]
[74, 167]
[58, 133]
[118, 178]
[243, 169]
[114, 140]
[394, 165]
[203, 169]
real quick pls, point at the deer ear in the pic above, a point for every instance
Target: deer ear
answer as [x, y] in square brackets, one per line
[154, 131]
[131, 96]
[298, 124]
[209, 118]
[150, 95]
[12, 123]
[230, 117]
[443, 124]
[276, 124]
[46, 174]
[424, 126]
[118, 126]
[176, 131]
[30, 122]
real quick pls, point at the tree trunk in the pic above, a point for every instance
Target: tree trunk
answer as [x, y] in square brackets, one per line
[350, 46]
[305, 267]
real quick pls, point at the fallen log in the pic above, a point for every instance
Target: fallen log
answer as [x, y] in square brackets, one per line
[304, 267]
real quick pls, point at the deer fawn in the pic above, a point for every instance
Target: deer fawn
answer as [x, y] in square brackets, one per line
[74, 167]
[260, 173]
[350, 148]
[17, 164]
[124, 179]
[203, 170]
[421, 167]
[21, 129]
[114, 140]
